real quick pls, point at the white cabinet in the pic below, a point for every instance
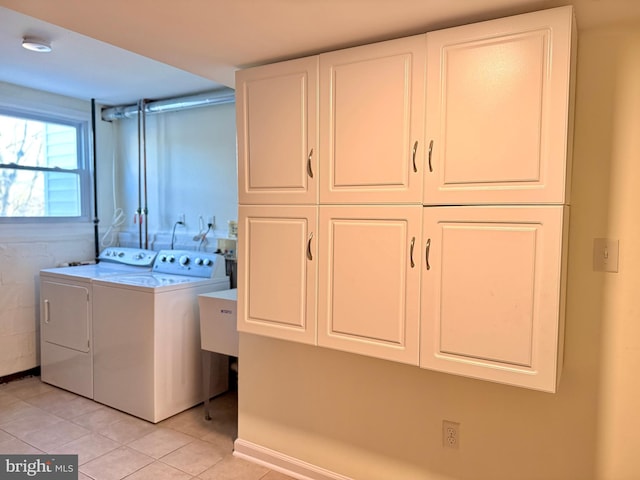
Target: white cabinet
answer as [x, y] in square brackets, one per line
[276, 115]
[493, 292]
[369, 280]
[368, 262]
[372, 123]
[277, 271]
[499, 109]
[339, 152]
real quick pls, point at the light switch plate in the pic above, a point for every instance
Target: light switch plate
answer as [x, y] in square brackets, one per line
[605, 255]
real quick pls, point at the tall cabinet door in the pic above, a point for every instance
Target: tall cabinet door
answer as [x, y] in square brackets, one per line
[276, 116]
[372, 119]
[499, 111]
[369, 280]
[277, 269]
[492, 293]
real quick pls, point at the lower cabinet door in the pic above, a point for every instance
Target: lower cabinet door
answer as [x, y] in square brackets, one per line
[492, 303]
[369, 280]
[277, 269]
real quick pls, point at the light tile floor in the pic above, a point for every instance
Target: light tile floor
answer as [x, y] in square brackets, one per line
[38, 418]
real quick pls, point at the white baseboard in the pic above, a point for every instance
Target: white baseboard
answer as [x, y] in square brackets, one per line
[282, 463]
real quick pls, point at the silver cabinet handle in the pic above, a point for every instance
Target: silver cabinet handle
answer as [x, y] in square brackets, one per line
[413, 243]
[426, 253]
[309, 254]
[430, 152]
[415, 149]
[46, 311]
[309, 169]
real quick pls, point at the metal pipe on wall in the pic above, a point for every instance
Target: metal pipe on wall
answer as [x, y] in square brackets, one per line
[140, 110]
[145, 210]
[94, 173]
[138, 217]
[214, 97]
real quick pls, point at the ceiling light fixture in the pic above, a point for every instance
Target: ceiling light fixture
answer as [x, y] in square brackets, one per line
[36, 44]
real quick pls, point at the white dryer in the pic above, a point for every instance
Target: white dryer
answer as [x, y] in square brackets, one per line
[147, 335]
[66, 346]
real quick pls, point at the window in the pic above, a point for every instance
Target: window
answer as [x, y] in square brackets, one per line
[43, 168]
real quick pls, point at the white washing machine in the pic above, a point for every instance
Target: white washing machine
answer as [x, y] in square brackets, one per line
[66, 347]
[147, 336]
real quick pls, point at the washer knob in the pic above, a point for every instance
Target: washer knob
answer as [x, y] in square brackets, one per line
[198, 261]
[207, 262]
[171, 259]
[184, 260]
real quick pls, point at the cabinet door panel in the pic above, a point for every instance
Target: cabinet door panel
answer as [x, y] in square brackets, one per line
[499, 261]
[492, 298]
[277, 132]
[498, 110]
[368, 287]
[277, 272]
[371, 116]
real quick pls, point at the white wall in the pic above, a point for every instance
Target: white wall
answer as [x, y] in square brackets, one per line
[26, 248]
[191, 170]
[370, 419]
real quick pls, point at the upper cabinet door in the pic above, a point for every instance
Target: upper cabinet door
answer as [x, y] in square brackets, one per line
[372, 122]
[499, 110]
[493, 292]
[276, 115]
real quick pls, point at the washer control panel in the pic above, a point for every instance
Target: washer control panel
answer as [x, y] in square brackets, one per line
[185, 262]
[138, 257]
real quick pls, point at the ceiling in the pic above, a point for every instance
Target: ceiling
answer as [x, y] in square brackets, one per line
[119, 51]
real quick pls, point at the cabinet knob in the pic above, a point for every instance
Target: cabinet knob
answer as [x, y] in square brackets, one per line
[426, 253]
[413, 244]
[309, 169]
[309, 254]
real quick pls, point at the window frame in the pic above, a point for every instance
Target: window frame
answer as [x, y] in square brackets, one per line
[84, 170]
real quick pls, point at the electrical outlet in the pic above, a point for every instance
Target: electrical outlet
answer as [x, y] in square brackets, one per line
[181, 219]
[450, 434]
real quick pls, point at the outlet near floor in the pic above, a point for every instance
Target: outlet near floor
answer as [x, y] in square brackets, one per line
[450, 434]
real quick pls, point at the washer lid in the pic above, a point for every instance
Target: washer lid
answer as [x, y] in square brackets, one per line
[154, 280]
[93, 271]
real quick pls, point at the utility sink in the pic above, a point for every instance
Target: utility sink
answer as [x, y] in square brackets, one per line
[218, 331]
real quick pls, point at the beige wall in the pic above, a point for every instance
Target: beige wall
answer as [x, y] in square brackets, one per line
[371, 419]
[609, 188]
